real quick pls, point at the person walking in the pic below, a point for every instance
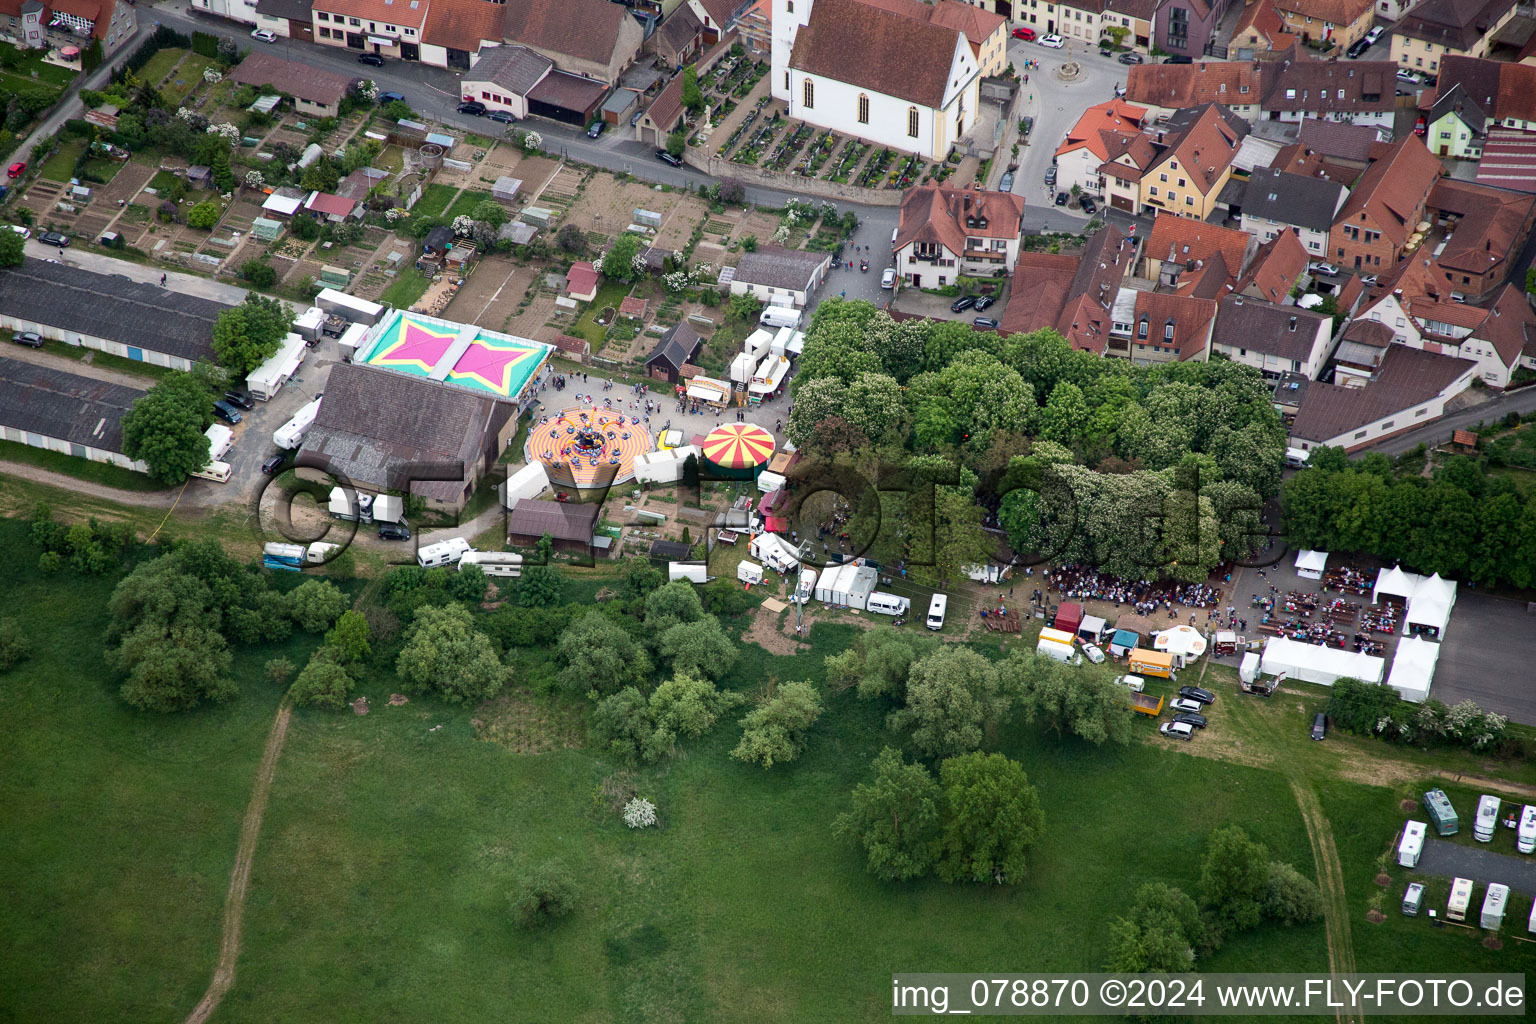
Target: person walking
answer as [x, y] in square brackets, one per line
[162, 280]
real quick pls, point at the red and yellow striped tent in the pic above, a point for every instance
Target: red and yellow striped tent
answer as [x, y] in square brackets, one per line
[738, 449]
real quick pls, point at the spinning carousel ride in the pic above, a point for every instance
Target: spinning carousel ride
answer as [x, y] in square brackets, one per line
[588, 447]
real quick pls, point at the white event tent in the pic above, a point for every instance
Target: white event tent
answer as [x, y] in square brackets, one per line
[1310, 564]
[1413, 668]
[1313, 663]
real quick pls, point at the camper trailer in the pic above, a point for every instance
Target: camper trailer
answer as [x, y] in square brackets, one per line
[749, 572]
[1525, 837]
[220, 440]
[1461, 898]
[1413, 899]
[1487, 819]
[216, 471]
[887, 604]
[291, 434]
[1494, 903]
[1412, 845]
[772, 550]
[494, 563]
[446, 552]
[1441, 814]
[693, 572]
[287, 557]
[318, 551]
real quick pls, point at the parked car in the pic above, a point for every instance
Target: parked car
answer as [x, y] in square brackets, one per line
[1358, 49]
[474, 107]
[501, 117]
[371, 58]
[984, 302]
[1029, 125]
[1420, 126]
[1319, 726]
[595, 129]
[57, 238]
[1190, 718]
[1050, 175]
[240, 397]
[1026, 34]
[31, 339]
[1404, 75]
[1194, 707]
[987, 322]
[1090, 651]
[24, 232]
[888, 279]
[273, 463]
[668, 158]
[1369, 280]
[1061, 199]
[1088, 205]
[16, 169]
[1005, 183]
[1055, 42]
[1178, 59]
[1374, 34]
[1177, 731]
[1131, 57]
[226, 412]
[394, 531]
[1197, 693]
[391, 97]
[266, 35]
[1320, 267]
[962, 304]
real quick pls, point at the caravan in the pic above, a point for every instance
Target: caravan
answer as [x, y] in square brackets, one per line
[1493, 906]
[693, 572]
[1487, 819]
[1461, 898]
[216, 471]
[1412, 845]
[291, 434]
[318, 551]
[1525, 837]
[445, 552]
[1441, 814]
[494, 563]
[749, 573]
[220, 440]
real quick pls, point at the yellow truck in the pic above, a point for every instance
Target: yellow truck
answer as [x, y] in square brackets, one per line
[1151, 663]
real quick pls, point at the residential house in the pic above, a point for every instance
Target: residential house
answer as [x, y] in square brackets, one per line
[678, 40]
[1260, 31]
[946, 232]
[1410, 389]
[1137, 17]
[372, 26]
[1340, 22]
[1298, 88]
[1072, 295]
[64, 412]
[717, 17]
[1180, 246]
[780, 277]
[39, 24]
[109, 313]
[1393, 10]
[1131, 156]
[894, 79]
[665, 115]
[675, 349]
[755, 27]
[1385, 207]
[1456, 124]
[1272, 338]
[581, 281]
[1090, 21]
[1193, 166]
[289, 19]
[314, 90]
[1474, 97]
[594, 39]
[1343, 143]
[1486, 229]
[384, 431]
[1155, 327]
[503, 76]
[1276, 268]
[1274, 202]
[1362, 346]
[1102, 133]
[1165, 88]
[458, 30]
[1437, 29]
[1188, 27]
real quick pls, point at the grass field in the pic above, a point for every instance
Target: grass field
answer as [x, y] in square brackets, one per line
[392, 839]
[407, 287]
[60, 166]
[434, 200]
[80, 469]
[465, 203]
[161, 64]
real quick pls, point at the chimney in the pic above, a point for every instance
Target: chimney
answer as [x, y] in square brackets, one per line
[1293, 325]
[967, 202]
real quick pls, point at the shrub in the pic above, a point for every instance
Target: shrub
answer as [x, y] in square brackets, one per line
[15, 645]
[204, 215]
[544, 895]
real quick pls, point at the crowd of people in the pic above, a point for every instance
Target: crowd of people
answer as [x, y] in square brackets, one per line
[1084, 583]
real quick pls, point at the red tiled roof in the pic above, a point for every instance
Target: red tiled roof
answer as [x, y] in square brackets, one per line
[632, 306]
[1407, 377]
[1261, 22]
[1236, 83]
[1393, 190]
[935, 213]
[581, 278]
[1204, 150]
[1335, 12]
[1276, 267]
[1510, 325]
[330, 205]
[585, 29]
[313, 84]
[1046, 278]
[462, 24]
[401, 13]
[1190, 317]
[1184, 240]
[1110, 116]
[872, 48]
[568, 343]
[1492, 226]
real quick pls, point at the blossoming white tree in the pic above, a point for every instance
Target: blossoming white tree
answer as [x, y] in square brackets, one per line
[254, 179]
[639, 813]
[533, 141]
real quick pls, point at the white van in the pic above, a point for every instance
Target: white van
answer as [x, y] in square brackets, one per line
[779, 316]
[1063, 653]
[887, 604]
[1296, 458]
[1487, 819]
[936, 608]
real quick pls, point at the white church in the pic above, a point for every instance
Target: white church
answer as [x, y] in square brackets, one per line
[877, 70]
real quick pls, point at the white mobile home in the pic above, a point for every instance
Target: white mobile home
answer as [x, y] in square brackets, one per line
[774, 551]
[1412, 845]
[220, 440]
[1525, 837]
[268, 378]
[749, 572]
[1461, 898]
[693, 572]
[318, 551]
[1487, 819]
[216, 471]
[805, 586]
[494, 563]
[291, 434]
[446, 552]
[1493, 906]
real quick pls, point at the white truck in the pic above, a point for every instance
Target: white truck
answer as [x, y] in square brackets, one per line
[1057, 651]
[291, 434]
[1412, 844]
[749, 572]
[1487, 819]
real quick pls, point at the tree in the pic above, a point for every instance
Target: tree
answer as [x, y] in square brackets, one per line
[953, 695]
[622, 722]
[1160, 934]
[324, 683]
[538, 587]
[12, 249]
[488, 211]
[15, 645]
[259, 273]
[1359, 707]
[698, 648]
[600, 656]
[677, 142]
[693, 96]
[572, 239]
[618, 263]
[879, 663]
[247, 335]
[1290, 897]
[316, 604]
[164, 428]
[204, 215]
[320, 176]
[671, 604]
[349, 637]
[446, 655]
[992, 816]
[895, 818]
[1089, 706]
[1234, 878]
[543, 896]
[687, 705]
[219, 169]
[776, 730]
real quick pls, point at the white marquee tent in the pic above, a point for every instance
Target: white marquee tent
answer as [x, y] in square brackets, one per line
[1394, 582]
[1313, 663]
[1185, 641]
[1310, 564]
[1431, 604]
[1413, 668]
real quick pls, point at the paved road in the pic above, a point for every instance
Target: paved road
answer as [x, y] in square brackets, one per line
[1438, 432]
[1481, 864]
[189, 284]
[1056, 105]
